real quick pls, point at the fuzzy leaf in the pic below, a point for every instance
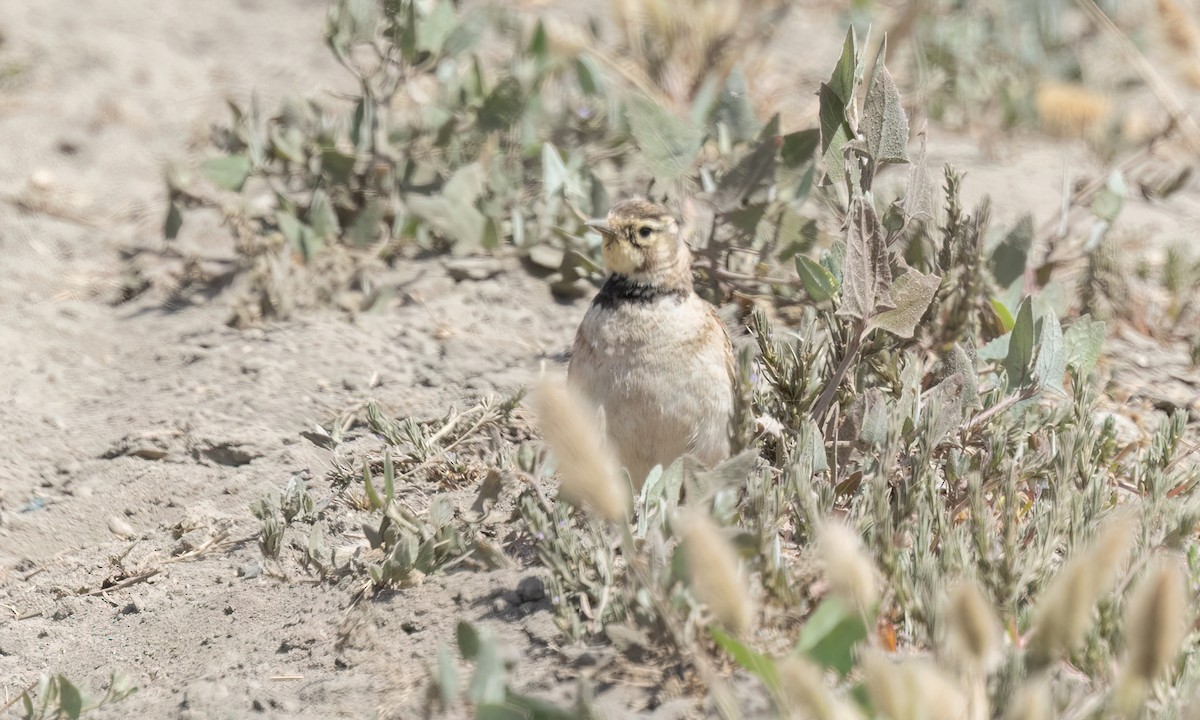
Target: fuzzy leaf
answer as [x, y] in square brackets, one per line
[487, 685]
[918, 199]
[1052, 355]
[734, 109]
[321, 217]
[835, 133]
[799, 147]
[912, 292]
[503, 105]
[70, 699]
[669, 142]
[364, 230]
[447, 677]
[757, 664]
[338, 164]
[747, 176]
[229, 172]
[435, 27]
[1010, 256]
[468, 640]
[944, 408]
[554, 171]
[874, 428]
[866, 274]
[1082, 343]
[963, 365]
[1017, 362]
[845, 73]
[884, 125]
[819, 283]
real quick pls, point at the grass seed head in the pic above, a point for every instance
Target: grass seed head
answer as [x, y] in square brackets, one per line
[1032, 701]
[1067, 607]
[1179, 27]
[589, 471]
[1071, 110]
[1155, 622]
[911, 690]
[806, 694]
[975, 631]
[848, 570]
[713, 566]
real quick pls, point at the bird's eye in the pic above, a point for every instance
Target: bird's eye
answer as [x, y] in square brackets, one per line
[645, 231]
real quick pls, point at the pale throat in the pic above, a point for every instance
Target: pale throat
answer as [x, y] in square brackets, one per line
[663, 267]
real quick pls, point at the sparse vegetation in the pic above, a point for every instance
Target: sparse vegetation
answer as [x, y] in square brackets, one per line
[935, 388]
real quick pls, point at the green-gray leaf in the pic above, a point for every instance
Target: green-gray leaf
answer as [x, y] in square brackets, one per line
[436, 27]
[1083, 341]
[1018, 361]
[734, 109]
[229, 172]
[321, 217]
[912, 292]
[835, 133]
[554, 172]
[70, 699]
[744, 178]
[1008, 259]
[885, 126]
[819, 283]
[866, 275]
[669, 142]
[845, 73]
[798, 147]
[1052, 356]
[831, 634]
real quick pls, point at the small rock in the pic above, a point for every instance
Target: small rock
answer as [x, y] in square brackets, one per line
[468, 268]
[546, 257]
[531, 589]
[119, 527]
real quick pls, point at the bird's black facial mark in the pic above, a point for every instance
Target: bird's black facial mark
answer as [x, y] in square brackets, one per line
[645, 231]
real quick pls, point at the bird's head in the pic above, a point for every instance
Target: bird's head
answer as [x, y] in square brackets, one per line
[642, 241]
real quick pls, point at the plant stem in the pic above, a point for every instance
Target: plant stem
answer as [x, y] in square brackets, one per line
[826, 399]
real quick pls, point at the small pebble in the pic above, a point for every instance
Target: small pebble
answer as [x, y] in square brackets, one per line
[120, 527]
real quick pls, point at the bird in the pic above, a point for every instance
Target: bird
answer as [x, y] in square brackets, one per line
[650, 355]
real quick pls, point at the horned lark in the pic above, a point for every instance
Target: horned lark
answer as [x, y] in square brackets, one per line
[650, 352]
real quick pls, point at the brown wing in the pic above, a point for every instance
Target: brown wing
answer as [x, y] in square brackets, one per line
[726, 341]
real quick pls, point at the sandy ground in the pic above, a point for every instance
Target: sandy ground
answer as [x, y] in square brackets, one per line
[96, 98]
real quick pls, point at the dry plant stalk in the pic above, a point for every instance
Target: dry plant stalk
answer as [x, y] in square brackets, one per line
[590, 475]
[713, 566]
[1155, 627]
[806, 695]
[849, 571]
[1067, 608]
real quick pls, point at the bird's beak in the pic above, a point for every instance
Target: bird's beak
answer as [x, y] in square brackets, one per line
[601, 226]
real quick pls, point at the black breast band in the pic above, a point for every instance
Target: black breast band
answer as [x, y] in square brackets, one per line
[619, 290]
